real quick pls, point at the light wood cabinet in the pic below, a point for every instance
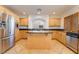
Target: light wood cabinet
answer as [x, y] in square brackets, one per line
[23, 34]
[39, 41]
[60, 36]
[68, 23]
[55, 35]
[23, 22]
[75, 23]
[71, 23]
[17, 37]
[20, 34]
[54, 22]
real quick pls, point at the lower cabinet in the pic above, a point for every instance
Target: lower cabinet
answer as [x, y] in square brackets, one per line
[60, 36]
[39, 41]
[63, 38]
[54, 35]
[23, 34]
[17, 35]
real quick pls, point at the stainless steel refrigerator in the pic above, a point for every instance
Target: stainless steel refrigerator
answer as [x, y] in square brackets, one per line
[7, 30]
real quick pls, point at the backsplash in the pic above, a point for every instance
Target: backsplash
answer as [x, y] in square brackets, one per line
[38, 21]
[41, 22]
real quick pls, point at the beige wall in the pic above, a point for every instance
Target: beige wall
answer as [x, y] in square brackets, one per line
[71, 11]
[4, 9]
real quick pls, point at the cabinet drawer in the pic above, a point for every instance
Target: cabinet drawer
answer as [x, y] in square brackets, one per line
[23, 34]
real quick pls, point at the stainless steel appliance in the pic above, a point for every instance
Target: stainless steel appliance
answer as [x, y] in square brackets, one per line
[72, 41]
[78, 45]
[0, 34]
[6, 32]
[11, 30]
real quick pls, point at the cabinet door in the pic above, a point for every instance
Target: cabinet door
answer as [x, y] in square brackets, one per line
[23, 34]
[67, 23]
[71, 23]
[63, 37]
[23, 21]
[75, 22]
[56, 35]
[54, 22]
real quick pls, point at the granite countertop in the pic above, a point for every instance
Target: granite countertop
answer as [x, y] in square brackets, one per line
[48, 29]
[72, 34]
[42, 29]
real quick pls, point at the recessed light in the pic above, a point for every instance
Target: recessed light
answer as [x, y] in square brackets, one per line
[54, 13]
[24, 13]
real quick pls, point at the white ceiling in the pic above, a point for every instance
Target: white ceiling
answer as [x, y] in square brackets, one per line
[46, 9]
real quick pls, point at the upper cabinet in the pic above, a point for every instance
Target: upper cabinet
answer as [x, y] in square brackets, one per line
[23, 22]
[75, 22]
[71, 23]
[54, 22]
[68, 23]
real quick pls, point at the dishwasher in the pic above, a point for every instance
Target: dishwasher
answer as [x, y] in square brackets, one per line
[72, 41]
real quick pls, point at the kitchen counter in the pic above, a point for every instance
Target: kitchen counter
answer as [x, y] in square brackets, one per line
[72, 34]
[39, 41]
[49, 29]
[42, 29]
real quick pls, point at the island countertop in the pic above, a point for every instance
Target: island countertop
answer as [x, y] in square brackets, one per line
[41, 29]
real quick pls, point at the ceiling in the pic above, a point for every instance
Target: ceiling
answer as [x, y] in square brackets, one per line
[45, 9]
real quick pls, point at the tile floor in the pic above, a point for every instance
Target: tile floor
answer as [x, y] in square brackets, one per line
[57, 48]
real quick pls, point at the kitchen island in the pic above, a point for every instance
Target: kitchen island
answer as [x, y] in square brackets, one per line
[39, 40]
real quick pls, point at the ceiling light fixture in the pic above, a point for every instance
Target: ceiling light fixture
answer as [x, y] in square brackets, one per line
[39, 11]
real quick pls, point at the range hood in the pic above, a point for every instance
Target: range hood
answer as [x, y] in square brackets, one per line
[38, 22]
